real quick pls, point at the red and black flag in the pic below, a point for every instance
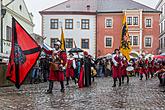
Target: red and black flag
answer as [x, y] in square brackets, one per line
[24, 54]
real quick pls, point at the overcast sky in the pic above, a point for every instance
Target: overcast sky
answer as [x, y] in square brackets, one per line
[35, 6]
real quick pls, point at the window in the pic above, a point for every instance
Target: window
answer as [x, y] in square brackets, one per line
[108, 42]
[8, 33]
[20, 7]
[108, 23]
[69, 24]
[54, 24]
[161, 44]
[162, 10]
[161, 27]
[134, 40]
[135, 20]
[85, 43]
[148, 42]
[53, 41]
[148, 22]
[88, 7]
[130, 37]
[69, 43]
[85, 24]
[129, 20]
[164, 24]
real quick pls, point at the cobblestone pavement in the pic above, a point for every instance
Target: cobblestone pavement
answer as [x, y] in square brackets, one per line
[138, 95]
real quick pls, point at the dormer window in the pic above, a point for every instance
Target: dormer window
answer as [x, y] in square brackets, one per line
[67, 6]
[88, 7]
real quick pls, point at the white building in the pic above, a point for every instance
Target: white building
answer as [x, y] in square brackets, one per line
[77, 18]
[161, 7]
[17, 9]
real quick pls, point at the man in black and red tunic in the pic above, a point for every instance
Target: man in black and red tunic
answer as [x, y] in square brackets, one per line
[59, 59]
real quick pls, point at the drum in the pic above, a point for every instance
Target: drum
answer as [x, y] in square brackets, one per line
[130, 68]
[130, 71]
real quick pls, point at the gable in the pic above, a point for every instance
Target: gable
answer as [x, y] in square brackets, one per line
[19, 7]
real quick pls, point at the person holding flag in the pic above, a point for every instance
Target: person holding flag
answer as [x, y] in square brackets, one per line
[24, 54]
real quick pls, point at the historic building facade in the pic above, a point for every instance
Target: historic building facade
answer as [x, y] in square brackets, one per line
[78, 21]
[19, 11]
[102, 20]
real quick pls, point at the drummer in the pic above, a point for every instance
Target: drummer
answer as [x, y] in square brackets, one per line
[137, 67]
[150, 67]
[142, 67]
[123, 70]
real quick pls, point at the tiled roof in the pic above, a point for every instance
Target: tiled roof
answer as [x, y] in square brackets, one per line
[74, 5]
[98, 6]
[120, 5]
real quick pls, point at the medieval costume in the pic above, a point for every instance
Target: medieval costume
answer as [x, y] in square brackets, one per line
[151, 67]
[123, 70]
[81, 74]
[56, 69]
[44, 65]
[146, 69]
[116, 67]
[70, 66]
[87, 69]
[137, 68]
[142, 69]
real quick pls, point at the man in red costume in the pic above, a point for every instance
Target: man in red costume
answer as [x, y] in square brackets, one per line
[56, 69]
[142, 65]
[71, 65]
[150, 66]
[123, 70]
[116, 67]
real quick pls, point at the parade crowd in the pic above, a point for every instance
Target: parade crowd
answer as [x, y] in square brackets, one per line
[82, 71]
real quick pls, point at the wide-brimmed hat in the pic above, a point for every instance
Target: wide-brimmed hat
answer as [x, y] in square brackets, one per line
[58, 43]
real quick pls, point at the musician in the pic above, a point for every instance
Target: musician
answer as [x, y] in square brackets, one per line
[137, 68]
[123, 70]
[161, 75]
[116, 67]
[70, 66]
[146, 69]
[142, 67]
[150, 66]
[56, 69]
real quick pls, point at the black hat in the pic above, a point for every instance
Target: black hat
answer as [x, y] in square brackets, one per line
[116, 50]
[71, 54]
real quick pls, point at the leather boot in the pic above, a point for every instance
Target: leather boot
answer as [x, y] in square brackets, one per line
[114, 82]
[67, 81]
[62, 86]
[119, 81]
[49, 91]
